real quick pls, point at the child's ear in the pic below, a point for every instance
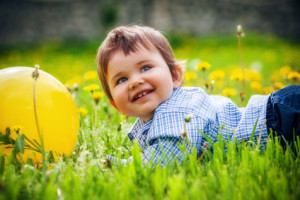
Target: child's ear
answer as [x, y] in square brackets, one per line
[113, 104]
[177, 75]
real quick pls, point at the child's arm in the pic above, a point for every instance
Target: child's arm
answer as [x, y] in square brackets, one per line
[162, 151]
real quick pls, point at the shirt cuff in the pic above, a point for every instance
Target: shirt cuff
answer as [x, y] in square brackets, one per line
[116, 161]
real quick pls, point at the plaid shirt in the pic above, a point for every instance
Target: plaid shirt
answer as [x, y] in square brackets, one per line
[213, 115]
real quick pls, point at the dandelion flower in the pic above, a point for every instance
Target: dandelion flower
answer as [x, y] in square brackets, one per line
[278, 85]
[268, 90]
[229, 92]
[188, 76]
[217, 75]
[90, 75]
[209, 84]
[91, 87]
[284, 71]
[82, 111]
[74, 80]
[252, 75]
[237, 76]
[97, 96]
[203, 66]
[294, 75]
[256, 86]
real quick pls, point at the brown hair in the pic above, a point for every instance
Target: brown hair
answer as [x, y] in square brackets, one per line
[128, 39]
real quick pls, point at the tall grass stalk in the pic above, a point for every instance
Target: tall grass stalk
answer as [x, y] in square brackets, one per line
[240, 34]
[35, 76]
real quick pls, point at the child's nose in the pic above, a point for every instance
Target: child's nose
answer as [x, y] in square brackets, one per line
[135, 83]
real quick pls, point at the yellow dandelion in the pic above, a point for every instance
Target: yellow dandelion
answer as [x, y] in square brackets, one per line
[74, 80]
[284, 71]
[294, 75]
[82, 111]
[90, 75]
[217, 75]
[203, 66]
[97, 96]
[229, 92]
[91, 87]
[268, 90]
[278, 85]
[209, 84]
[237, 76]
[188, 76]
[252, 75]
[256, 86]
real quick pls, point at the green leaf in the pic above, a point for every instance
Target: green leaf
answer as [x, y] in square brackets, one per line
[5, 139]
[253, 131]
[205, 136]
[37, 143]
[35, 146]
[20, 142]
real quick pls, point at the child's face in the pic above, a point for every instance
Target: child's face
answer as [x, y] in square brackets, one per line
[139, 82]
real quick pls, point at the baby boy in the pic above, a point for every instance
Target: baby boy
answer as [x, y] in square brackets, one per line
[141, 77]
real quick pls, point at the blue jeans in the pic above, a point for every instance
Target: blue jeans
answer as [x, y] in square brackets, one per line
[283, 112]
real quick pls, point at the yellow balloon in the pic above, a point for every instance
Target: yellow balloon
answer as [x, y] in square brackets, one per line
[56, 111]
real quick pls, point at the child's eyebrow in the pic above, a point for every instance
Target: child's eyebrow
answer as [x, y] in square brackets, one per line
[142, 62]
[115, 76]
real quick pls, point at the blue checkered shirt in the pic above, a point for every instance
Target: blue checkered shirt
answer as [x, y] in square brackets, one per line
[213, 115]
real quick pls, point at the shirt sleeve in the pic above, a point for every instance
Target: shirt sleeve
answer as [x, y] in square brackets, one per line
[116, 161]
[162, 151]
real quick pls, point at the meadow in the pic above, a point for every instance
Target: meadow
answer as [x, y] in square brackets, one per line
[245, 171]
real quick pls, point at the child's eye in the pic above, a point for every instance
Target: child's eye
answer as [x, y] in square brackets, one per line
[121, 80]
[145, 68]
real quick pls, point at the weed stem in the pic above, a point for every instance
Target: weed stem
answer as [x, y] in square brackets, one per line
[35, 76]
[239, 35]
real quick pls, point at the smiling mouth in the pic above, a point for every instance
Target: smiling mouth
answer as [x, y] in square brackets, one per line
[141, 94]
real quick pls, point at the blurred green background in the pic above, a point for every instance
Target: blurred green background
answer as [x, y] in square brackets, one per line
[63, 36]
[68, 59]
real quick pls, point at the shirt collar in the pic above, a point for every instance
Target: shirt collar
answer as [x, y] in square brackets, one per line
[141, 127]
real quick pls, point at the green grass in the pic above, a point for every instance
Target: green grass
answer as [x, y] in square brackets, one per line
[64, 59]
[244, 172]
